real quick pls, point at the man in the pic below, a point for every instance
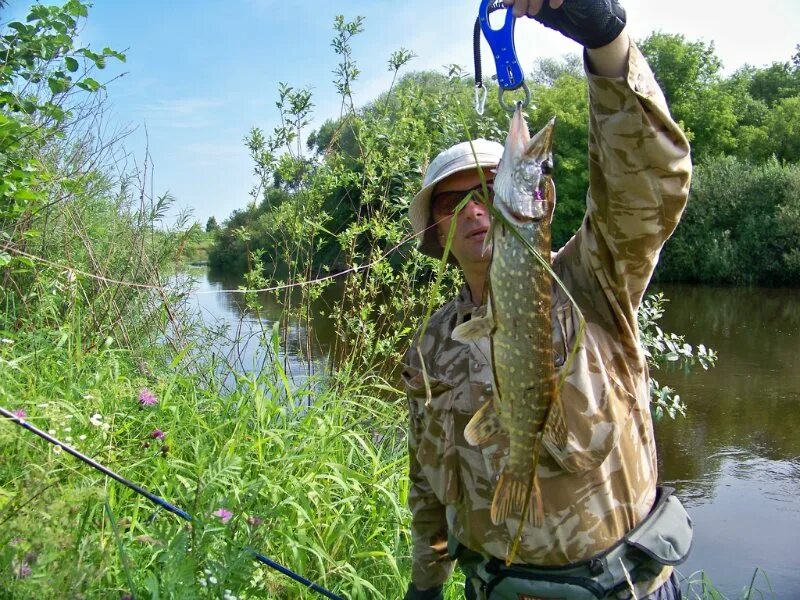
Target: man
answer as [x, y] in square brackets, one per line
[602, 486]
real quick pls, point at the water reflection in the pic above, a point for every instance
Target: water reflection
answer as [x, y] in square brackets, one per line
[245, 333]
[735, 458]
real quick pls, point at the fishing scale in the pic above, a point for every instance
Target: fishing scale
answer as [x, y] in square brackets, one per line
[501, 41]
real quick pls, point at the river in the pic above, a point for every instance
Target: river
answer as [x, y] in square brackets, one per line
[735, 457]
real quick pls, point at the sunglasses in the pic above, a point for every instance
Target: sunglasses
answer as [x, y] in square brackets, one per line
[445, 203]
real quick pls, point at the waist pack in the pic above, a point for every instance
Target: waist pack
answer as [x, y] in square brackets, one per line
[663, 538]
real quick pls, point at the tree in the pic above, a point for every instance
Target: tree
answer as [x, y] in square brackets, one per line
[211, 225]
[689, 75]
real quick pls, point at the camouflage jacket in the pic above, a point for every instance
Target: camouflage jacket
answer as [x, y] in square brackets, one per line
[603, 483]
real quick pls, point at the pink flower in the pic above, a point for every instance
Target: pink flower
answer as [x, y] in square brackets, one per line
[19, 413]
[24, 570]
[147, 398]
[224, 514]
[255, 521]
[157, 434]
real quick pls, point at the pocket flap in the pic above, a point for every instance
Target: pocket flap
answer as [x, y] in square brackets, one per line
[666, 534]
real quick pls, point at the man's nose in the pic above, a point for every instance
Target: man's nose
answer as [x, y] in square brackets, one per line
[474, 208]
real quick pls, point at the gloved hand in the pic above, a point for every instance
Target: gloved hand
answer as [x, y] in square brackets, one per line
[591, 23]
[430, 594]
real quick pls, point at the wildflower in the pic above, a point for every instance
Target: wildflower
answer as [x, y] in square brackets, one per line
[88, 397]
[82, 437]
[126, 597]
[96, 419]
[255, 521]
[105, 426]
[51, 432]
[203, 582]
[224, 515]
[57, 449]
[19, 413]
[24, 570]
[164, 449]
[7, 341]
[212, 580]
[147, 398]
[157, 434]
[68, 439]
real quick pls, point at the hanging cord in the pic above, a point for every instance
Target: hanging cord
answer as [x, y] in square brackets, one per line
[480, 90]
[159, 501]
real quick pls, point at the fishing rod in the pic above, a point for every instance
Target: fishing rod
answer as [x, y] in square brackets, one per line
[158, 500]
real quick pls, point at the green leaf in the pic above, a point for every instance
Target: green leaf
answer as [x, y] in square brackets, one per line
[57, 85]
[89, 84]
[72, 64]
[17, 26]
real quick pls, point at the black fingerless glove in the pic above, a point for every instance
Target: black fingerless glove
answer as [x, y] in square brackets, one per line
[431, 594]
[591, 23]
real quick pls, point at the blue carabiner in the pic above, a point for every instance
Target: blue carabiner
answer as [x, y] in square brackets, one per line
[501, 41]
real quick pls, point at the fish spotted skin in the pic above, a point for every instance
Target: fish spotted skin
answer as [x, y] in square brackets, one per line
[519, 320]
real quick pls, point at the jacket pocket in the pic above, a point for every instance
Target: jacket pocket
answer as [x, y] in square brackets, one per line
[432, 420]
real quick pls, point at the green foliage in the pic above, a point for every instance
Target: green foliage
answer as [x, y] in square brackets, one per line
[741, 226]
[667, 350]
[689, 75]
[42, 69]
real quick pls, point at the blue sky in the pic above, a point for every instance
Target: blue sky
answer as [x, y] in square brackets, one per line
[201, 73]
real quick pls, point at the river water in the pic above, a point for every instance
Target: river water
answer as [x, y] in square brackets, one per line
[735, 457]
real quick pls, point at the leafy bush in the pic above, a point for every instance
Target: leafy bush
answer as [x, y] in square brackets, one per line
[741, 226]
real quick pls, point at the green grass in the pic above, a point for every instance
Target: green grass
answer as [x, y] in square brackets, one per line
[315, 478]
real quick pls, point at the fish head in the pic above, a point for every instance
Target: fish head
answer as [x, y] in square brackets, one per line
[524, 192]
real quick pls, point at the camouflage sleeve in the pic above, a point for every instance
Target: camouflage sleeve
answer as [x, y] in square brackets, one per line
[430, 565]
[639, 170]
[639, 174]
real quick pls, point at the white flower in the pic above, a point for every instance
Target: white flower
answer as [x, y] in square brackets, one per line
[82, 437]
[67, 428]
[212, 580]
[105, 426]
[68, 417]
[6, 341]
[68, 439]
[57, 449]
[43, 405]
[203, 583]
[51, 432]
[88, 397]
[207, 571]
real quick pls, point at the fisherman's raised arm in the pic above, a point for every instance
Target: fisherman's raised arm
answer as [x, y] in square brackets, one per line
[639, 162]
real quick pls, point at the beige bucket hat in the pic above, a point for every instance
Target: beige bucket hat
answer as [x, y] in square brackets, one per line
[461, 157]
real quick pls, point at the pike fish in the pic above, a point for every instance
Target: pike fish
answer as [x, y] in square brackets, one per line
[519, 323]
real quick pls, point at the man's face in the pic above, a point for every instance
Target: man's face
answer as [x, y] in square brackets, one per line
[472, 222]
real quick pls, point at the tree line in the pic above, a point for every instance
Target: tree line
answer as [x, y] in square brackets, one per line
[741, 225]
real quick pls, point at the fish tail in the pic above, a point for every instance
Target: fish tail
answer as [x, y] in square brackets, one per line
[517, 496]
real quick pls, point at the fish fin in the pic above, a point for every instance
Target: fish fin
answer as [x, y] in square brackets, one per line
[483, 426]
[473, 330]
[511, 497]
[556, 427]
